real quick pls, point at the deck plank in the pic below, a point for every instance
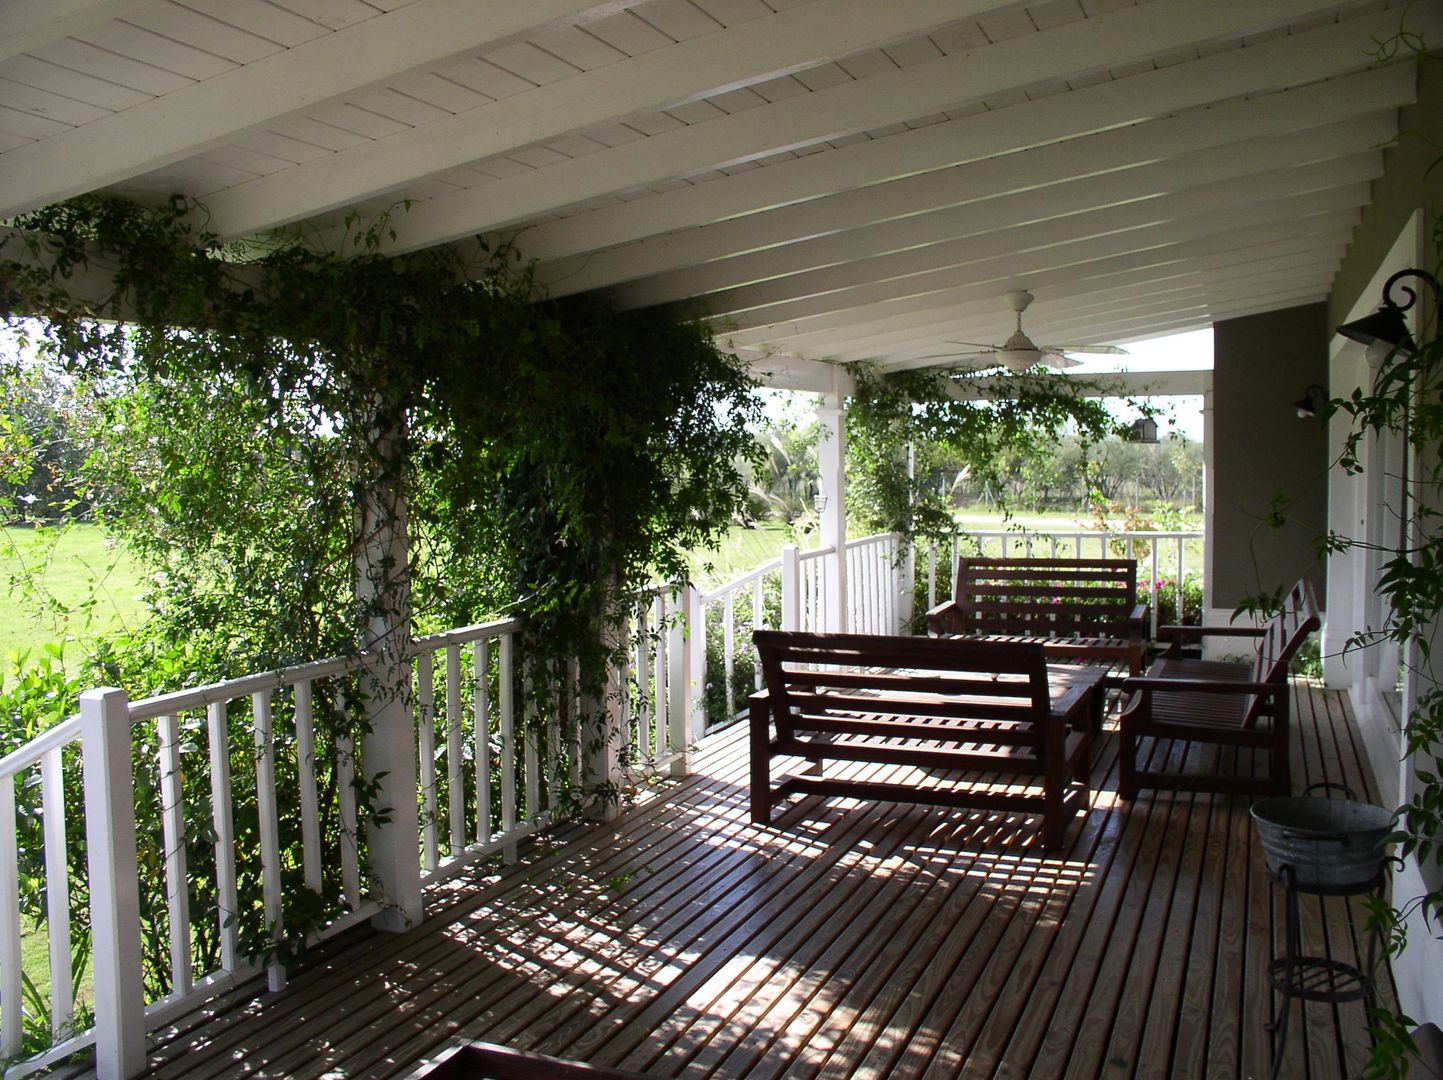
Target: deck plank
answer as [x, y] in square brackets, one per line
[844, 939]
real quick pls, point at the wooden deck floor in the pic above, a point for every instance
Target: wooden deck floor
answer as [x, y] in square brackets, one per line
[846, 940]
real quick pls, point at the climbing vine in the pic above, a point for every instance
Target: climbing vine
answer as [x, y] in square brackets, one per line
[976, 415]
[270, 411]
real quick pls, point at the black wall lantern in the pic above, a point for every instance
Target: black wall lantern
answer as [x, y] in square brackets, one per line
[1386, 326]
[1311, 403]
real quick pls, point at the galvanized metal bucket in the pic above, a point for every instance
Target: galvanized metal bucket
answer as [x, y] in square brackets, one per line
[1329, 843]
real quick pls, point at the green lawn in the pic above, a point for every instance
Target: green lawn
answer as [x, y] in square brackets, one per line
[65, 586]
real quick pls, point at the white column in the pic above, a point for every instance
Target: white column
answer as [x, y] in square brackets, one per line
[831, 458]
[114, 884]
[684, 671]
[1211, 614]
[383, 589]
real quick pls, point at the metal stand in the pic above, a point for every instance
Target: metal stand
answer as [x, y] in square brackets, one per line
[1316, 978]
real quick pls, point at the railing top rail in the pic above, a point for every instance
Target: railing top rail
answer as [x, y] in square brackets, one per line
[769, 567]
[62, 734]
[1151, 534]
[875, 538]
[228, 689]
[816, 553]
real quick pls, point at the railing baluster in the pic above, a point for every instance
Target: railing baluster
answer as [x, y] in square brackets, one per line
[481, 655]
[172, 823]
[455, 785]
[1177, 583]
[346, 807]
[643, 685]
[528, 739]
[11, 999]
[266, 811]
[306, 783]
[758, 615]
[57, 889]
[660, 712]
[573, 736]
[227, 901]
[426, 752]
[506, 692]
[729, 645]
[624, 714]
[1152, 590]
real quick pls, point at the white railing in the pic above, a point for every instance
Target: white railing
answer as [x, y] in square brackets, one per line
[877, 585]
[790, 593]
[489, 774]
[486, 779]
[655, 684]
[1164, 556]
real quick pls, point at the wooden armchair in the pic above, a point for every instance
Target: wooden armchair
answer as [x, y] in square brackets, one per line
[1243, 705]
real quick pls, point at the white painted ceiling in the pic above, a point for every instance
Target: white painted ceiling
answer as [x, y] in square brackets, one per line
[833, 179]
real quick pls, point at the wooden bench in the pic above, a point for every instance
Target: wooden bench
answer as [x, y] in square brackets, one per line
[1231, 704]
[994, 710]
[1085, 609]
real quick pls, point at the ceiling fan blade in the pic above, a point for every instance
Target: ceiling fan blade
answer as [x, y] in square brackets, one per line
[1055, 359]
[978, 345]
[1099, 350]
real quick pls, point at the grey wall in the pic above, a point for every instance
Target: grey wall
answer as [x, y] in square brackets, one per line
[1261, 449]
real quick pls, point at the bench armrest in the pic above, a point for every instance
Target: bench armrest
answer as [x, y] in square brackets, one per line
[1200, 686]
[943, 618]
[1206, 631]
[1137, 620]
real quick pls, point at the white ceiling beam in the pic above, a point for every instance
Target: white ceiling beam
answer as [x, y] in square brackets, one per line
[894, 204]
[1268, 66]
[1046, 272]
[29, 24]
[1125, 319]
[959, 311]
[1109, 39]
[222, 109]
[1114, 384]
[988, 316]
[1054, 202]
[1070, 316]
[753, 51]
[1109, 229]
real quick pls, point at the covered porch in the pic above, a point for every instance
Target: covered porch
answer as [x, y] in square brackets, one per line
[848, 939]
[832, 181]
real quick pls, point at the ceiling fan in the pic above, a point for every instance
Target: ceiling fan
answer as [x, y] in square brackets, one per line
[1018, 353]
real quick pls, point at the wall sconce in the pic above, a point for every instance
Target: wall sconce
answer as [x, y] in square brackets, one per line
[1386, 326]
[1311, 403]
[1144, 430]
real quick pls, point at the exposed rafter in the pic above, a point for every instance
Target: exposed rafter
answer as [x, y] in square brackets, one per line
[219, 110]
[1068, 51]
[714, 63]
[894, 207]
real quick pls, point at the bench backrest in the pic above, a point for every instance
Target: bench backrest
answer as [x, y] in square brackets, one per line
[814, 675]
[1283, 635]
[1046, 597]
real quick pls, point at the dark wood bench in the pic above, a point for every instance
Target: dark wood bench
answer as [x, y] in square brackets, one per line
[1085, 609]
[995, 712]
[1231, 704]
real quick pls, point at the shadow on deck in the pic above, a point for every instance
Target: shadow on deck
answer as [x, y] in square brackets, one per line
[845, 940]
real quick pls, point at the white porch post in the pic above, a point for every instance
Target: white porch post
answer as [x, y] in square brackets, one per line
[603, 767]
[682, 677]
[831, 458]
[114, 884]
[383, 588]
